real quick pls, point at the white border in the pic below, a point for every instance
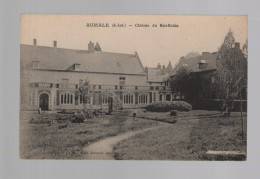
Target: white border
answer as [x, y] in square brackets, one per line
[10, 164]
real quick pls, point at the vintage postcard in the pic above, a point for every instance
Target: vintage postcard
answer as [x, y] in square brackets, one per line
[133, 87]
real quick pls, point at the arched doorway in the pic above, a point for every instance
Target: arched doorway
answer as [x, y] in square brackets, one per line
[44, 101]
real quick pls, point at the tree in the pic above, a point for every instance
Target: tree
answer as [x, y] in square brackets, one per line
[85, 90]
[180, 81]
[186, 83]
[245, 48]
[231, 71]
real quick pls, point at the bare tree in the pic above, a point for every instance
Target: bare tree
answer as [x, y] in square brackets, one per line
[231, 71]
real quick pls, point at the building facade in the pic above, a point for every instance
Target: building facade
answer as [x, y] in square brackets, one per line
[50, 78]
[203, 69]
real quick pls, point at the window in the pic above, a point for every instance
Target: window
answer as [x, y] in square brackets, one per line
[99, 86]
[212, 79]
[128, 99]
[151, 87]
[116, 87]
[81, 100]
[76, 66]
[104, 99]
[157, 88]
[136, 87]
[142, 99]
[168, 97]
[121, 78]
[161, 97]
[121, 87]
[94, 86]
[66, 98]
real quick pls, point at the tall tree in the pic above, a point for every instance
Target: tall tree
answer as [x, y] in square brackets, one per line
[231, 71]
[245, 48]
[180, 82]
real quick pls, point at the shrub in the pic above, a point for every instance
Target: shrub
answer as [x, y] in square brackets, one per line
[173, 113]
[168, 106]
[63, 126]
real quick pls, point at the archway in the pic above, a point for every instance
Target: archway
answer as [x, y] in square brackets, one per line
[44, 101]
[168, 97]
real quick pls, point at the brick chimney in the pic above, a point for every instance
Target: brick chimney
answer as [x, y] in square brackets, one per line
[163, 70]
[34, 42]
[91, 46]
[55, 43]
[159, 66]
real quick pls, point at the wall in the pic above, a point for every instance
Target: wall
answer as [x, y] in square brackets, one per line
[95, 78]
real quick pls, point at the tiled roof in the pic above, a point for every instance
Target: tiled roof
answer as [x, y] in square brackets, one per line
[193, 63]
[52, 58]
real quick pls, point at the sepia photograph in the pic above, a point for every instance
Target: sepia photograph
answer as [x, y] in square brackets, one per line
[133, 87]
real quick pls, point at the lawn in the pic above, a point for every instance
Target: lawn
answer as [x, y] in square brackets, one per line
[190, 138]
[65, 140]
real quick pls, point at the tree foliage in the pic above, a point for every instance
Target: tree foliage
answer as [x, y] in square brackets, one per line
[185, 83]
[86, 91]
[231, 70]
[245, 48]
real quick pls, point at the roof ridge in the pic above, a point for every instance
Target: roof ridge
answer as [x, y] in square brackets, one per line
[41, 46]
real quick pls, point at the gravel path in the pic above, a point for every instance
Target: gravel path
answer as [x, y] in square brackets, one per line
[103, 149]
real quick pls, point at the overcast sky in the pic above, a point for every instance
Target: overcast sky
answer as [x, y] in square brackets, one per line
[153, 44]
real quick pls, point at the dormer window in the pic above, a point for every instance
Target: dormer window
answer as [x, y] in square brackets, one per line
[35, 64]
[65, 81]
[203, 64]
[76, 66]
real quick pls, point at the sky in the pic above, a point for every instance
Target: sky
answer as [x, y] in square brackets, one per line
[153, 44]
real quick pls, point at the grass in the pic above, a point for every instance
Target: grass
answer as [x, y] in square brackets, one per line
[65, 140]
[190, 138]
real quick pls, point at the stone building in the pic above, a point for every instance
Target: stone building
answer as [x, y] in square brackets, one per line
[203, 68]
[50, 77]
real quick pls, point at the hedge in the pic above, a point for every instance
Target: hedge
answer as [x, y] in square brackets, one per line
[168, 106]
[207, 104]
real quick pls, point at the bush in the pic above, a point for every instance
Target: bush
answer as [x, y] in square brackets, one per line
[168, 106]
[173, 113]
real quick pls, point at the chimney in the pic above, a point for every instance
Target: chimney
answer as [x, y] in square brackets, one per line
[55, 43]
[146, 69]
[91, 46]
[159, 66]
[237, 45]
[34, 42]
[163, 70]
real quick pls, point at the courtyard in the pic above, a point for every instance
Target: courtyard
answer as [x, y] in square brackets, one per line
[150, 137]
